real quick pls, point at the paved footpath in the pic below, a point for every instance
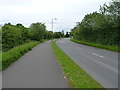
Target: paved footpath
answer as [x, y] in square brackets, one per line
[36, 69]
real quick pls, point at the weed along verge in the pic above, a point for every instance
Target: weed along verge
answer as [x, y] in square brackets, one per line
[76, 76]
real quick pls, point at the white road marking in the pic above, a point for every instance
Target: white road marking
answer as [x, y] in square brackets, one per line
[97, 55]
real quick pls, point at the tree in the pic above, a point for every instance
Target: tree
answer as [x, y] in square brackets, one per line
[75, 33]
[100, 27]
[67, 34]
[50, 34]
[37, 31]
[57, 34]
[24, 32]
[11, 36]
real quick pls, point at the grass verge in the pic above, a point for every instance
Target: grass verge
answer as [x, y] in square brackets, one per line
[107, 47]
[76, 76]
[13, 54]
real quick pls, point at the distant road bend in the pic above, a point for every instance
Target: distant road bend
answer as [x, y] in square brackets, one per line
[101, 64]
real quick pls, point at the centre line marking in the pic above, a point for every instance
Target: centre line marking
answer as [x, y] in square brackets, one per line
[97, 55]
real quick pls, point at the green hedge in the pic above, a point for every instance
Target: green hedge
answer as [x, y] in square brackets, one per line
[13, 54]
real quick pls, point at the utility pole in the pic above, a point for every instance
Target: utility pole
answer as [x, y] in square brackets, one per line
[52, 23]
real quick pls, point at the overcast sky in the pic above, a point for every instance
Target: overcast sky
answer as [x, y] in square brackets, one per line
[67, 12]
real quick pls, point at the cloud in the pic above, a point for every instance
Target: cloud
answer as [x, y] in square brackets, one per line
[68, 12]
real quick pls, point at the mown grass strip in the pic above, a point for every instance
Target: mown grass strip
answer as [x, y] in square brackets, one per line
[13, 54]
[107, 47]
[76, 76]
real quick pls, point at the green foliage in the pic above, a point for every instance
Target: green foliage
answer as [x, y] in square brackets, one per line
[48, 35]
[67, 34]
[25, 35]
[37, 31]
[76, 76]
[101, 28]
[57, 35]
[12, 36]
[13, 54]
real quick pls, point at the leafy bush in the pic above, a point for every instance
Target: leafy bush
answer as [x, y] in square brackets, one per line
[13, 35]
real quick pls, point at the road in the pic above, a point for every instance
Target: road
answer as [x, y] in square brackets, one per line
[36, 69]
[101, 64]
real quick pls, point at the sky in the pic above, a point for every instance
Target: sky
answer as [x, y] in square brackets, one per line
[67, 12]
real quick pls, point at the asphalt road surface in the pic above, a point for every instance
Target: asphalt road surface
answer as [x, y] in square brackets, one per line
[36, 69]
[101, 64]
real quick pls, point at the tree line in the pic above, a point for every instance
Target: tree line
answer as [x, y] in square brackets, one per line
[14, 35]
[102, 27]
